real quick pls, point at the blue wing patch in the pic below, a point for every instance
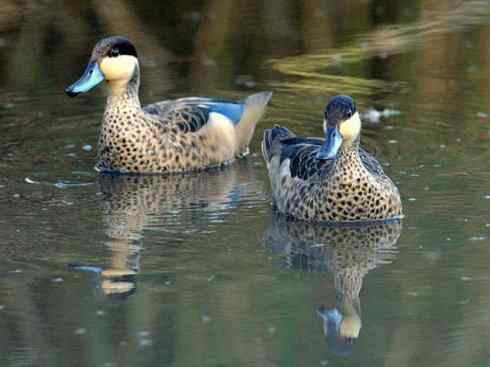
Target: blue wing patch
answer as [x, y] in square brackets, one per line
[232, 110]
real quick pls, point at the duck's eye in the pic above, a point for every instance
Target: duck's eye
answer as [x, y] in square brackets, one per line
[349, 114]
[114, 52]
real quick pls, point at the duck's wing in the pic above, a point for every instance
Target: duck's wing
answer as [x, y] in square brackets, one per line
[301, 153]
[371, 164]
[192, 113]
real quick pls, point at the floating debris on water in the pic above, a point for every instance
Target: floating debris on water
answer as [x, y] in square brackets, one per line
[374, 116]
[477, 238]
[80, 331]
[246, 81]
[66, 184]
[2, 307]
[466, 279]
[205, 319]
[87, 148]
[145, 342]
[100, 313]
[487, 196]
[393, 141]
[57, 280]
[29, 181]
[482, 115]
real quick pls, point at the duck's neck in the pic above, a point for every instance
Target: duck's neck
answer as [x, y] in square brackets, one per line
[124, 93]
[348, 152]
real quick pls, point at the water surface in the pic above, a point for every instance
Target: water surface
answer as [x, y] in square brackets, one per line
[195, 270]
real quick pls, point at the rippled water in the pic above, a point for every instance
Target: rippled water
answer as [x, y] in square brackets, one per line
[195, 270]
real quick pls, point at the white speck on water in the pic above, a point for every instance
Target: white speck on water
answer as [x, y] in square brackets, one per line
[426, 188]
[271, 330]
[211, 278]
[2, 307]
[168, 282]
[16, 271]
[466, 220]
[477, 238]
[374, 116]
[29, 181]
[324, 363]
[16, 196]
[464, 302]
[205, 319]
[466, 279]
[413, 294]
[144, 333]
[207, 61]
[487, 196]
[72, 155]
[87, 148]
[437, 165]
[487, 225]
[69, 146]
[442, 146]
[57, 280]
[482, 115]
[80, 331]
[414, 175]
[100, 313]
[448, 239]
[412, 199]
[392, 141]
[458, 140]
[145, 342]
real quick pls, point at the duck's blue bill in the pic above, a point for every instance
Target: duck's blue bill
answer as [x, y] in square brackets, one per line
[332, 144]
[90, 78]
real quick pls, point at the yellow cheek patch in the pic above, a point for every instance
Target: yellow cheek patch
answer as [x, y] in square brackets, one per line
[118, 68]
[350, 129]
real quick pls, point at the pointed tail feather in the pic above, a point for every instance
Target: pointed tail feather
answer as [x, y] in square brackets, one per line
[254, 107]
[272, 138]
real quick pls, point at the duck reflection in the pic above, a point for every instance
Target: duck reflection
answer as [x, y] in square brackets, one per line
[349, 252]
[176, 204]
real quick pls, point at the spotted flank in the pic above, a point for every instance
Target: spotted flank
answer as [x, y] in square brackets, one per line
[180, 135]
[331, 179]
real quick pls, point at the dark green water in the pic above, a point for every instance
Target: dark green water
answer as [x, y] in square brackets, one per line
[195, 270]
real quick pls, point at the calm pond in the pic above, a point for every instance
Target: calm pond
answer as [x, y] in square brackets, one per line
[196, 270]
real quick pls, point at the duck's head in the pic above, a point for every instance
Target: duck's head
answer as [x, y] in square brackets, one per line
[341, 126]
[114, 60]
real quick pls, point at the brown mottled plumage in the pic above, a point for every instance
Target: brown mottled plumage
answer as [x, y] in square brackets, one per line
[170, 136]
[332, 179]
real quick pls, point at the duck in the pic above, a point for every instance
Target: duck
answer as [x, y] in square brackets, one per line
[185, 134]
[331, 179]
